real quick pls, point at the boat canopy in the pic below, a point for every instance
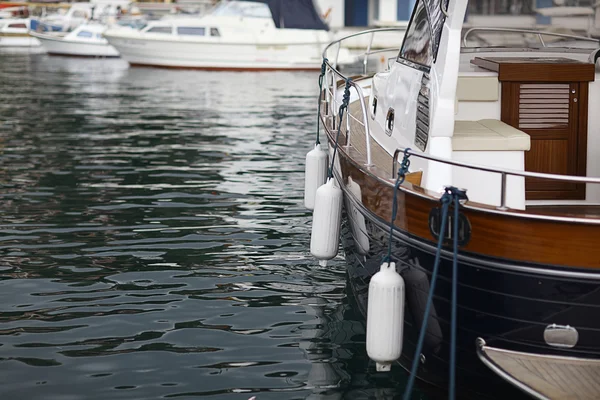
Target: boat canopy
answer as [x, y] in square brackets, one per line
[290, 14]
[296, 14]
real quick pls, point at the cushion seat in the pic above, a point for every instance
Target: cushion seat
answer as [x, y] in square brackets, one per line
[477, 87]
[488, 135]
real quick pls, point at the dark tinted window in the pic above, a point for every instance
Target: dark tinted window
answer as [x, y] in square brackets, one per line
[17, 26]
[214, 32]
[417, 41]
[184, 30]
[160, 29]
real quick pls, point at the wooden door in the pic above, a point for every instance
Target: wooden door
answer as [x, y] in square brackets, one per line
[555, 117]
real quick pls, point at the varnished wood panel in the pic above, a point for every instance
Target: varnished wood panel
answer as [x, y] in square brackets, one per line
[574, 211]
[533, 69]
[551, 114]
[549, 156]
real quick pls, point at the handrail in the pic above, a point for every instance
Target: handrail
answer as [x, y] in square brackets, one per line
[361, 33]
[331, 91]
[503, 172]
[444, 11]
[530, 31]
[331, 72]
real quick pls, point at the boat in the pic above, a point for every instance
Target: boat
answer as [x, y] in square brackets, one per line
[85, 41]
[66, 20]
[14, 32]
[472, 174]
[236, 35]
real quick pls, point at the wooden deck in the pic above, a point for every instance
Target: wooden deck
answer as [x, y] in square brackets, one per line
[544, 376]
[572, 211]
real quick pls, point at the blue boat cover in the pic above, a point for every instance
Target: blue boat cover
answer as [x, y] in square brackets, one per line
[295, 14]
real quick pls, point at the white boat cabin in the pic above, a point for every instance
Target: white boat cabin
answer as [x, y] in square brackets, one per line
[231, 21]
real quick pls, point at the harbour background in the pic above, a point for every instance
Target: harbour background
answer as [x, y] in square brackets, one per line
[154, 244]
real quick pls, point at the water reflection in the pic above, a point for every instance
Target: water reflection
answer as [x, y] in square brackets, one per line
[153, 241]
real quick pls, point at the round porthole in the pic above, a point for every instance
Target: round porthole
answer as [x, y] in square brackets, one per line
[389, 122]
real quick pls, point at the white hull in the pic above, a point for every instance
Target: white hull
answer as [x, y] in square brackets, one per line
[18, 41]
[218, 55]
[60, 46]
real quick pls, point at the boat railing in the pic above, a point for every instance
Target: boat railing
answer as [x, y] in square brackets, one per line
[333, 77]
[540, 34]
[504, 173]
[332, 104]
[337, 45]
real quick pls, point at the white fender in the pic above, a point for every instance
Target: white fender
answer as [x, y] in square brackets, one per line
[357, 225]
[385, 316]
[315, 174]
[327, 217]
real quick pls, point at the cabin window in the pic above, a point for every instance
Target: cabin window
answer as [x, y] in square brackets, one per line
[417, 41]
[17, 26]
[192, 30]
[160, 29]
[85, 34]
[214, 32]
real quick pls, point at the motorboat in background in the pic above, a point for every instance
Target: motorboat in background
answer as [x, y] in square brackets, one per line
[14, 32]
[85, 41]
[475, 171]
[236, 35]
[13, 10]
[104, 11]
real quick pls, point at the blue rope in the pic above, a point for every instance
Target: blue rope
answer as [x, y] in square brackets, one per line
[399, 181]
[450, 195]
[323, 66]
[457, 195]
[343, 106]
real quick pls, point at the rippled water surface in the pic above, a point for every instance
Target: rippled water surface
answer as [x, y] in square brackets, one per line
[153, 241]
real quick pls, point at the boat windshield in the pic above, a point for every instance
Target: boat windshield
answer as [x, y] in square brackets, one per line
[242, 9]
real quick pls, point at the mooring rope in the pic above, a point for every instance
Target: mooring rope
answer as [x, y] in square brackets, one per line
[457, 195]
[323, 67]
[451, 194]
[343, 106]
[399, 181]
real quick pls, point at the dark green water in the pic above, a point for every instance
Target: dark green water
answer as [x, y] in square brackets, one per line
[153, 242]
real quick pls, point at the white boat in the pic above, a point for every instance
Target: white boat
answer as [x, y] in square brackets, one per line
[14, 32]
[105, 11]
[85, 41]
[475, 168]
[236, 35]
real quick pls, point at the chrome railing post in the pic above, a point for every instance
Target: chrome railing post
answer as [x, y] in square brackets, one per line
[363, 109]
[503, 192]
[347, 127]
[395, 163]
[367, 53]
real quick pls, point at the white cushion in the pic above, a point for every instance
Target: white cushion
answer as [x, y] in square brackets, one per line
[477, 88]
[488, 135]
